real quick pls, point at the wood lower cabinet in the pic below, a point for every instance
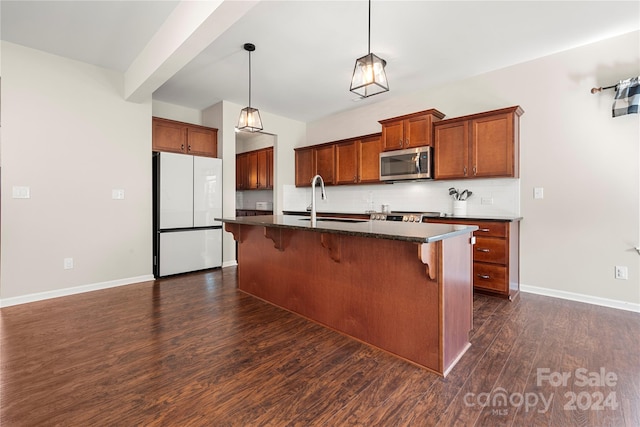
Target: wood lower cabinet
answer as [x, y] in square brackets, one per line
[496, 257]
[254, 170]
[483, 145]
[409, 131]
[178, 137]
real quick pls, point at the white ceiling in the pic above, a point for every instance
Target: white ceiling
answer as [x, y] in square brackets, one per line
[306, 50]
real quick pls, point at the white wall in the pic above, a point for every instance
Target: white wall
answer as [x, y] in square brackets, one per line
[586, 161]
[176, 112]
[70, 137]
[288, 134]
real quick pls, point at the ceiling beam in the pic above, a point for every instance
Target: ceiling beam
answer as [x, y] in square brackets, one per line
[190, 28]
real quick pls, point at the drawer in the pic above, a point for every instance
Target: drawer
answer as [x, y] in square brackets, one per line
[485, 228]
[490, 276]
[490, 249]
[491, 229]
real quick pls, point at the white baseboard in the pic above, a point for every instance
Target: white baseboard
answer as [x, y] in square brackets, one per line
[6, 302]
[229, 263]
[605, 302]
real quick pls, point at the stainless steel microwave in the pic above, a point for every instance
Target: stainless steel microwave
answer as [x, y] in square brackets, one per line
[409, 164]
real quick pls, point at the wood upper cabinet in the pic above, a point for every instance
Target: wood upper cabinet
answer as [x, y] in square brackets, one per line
[315, 160]
[254, 170]
[348, 161]
[265, 169]
[409, 131]
[357, 160]
[185, 138]
[481, 145]
[324, 159]
[305, 169]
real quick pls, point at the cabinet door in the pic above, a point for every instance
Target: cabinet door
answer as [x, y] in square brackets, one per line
[325, 163]
[417, 132]
[169, 136]
[304, 167]
[393, 136]
[269, 167]
[492, 146]
[252, 170]
[347, 163]
[241, 171]
[369, 156]
[262, 170]
[451, 151]
[202, 142]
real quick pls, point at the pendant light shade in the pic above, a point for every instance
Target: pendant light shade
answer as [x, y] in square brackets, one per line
[249, 117]
[369, 77]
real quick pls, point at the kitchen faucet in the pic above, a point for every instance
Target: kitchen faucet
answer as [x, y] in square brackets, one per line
[313, 197]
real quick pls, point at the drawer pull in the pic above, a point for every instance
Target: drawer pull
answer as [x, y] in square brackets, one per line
[484, 230]
[482, 250]
[484, 276]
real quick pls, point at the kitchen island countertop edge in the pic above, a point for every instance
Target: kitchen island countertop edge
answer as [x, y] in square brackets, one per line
[410, 232]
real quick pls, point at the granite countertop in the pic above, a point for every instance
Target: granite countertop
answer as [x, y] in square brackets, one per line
[469, 217]
[410, 232]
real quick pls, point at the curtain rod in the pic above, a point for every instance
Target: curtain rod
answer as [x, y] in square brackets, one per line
[598, 89]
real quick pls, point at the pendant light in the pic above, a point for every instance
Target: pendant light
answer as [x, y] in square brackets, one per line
[249, 117]
[369, 77]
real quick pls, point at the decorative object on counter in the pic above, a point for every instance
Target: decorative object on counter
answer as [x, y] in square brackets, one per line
[249, 117]
[627, 98]
[459, 201]
[369, 77]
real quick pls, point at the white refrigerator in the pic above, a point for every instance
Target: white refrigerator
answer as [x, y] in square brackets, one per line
[187, 198]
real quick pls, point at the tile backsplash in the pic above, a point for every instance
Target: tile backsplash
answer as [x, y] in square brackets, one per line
[490, 197]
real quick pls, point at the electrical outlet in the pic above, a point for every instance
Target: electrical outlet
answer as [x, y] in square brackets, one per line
[622, 272]
[68, 263]
[21, 192]
[117, 194]
[538, 193]
[486, 200]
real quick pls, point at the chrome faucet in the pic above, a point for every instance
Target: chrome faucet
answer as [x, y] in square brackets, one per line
[313, 197]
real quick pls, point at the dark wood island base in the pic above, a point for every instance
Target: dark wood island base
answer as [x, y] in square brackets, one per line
[413, 300]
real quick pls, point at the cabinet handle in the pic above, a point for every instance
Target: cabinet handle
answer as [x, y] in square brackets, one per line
[465, 171]
[181, 146]
[484, 230]
[355, 178]
[407, 142]
[482, 250]
[189, 148]
[474, 171]
[484, 276]
[400, 143]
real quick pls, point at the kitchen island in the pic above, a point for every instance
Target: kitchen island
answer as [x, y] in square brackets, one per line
[403, 288]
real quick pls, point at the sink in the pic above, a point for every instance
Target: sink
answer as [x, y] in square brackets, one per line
[336, 219]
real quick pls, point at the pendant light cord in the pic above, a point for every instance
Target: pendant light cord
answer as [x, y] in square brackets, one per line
[249, 79]
[369, 35]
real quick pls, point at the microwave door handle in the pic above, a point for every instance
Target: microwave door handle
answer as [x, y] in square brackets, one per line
[417, 161]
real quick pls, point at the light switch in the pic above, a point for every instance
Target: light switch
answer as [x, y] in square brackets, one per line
[117, 194]
[538, 193]
[21, 192]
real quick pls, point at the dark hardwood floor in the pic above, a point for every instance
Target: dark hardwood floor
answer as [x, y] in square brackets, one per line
[193, 350]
